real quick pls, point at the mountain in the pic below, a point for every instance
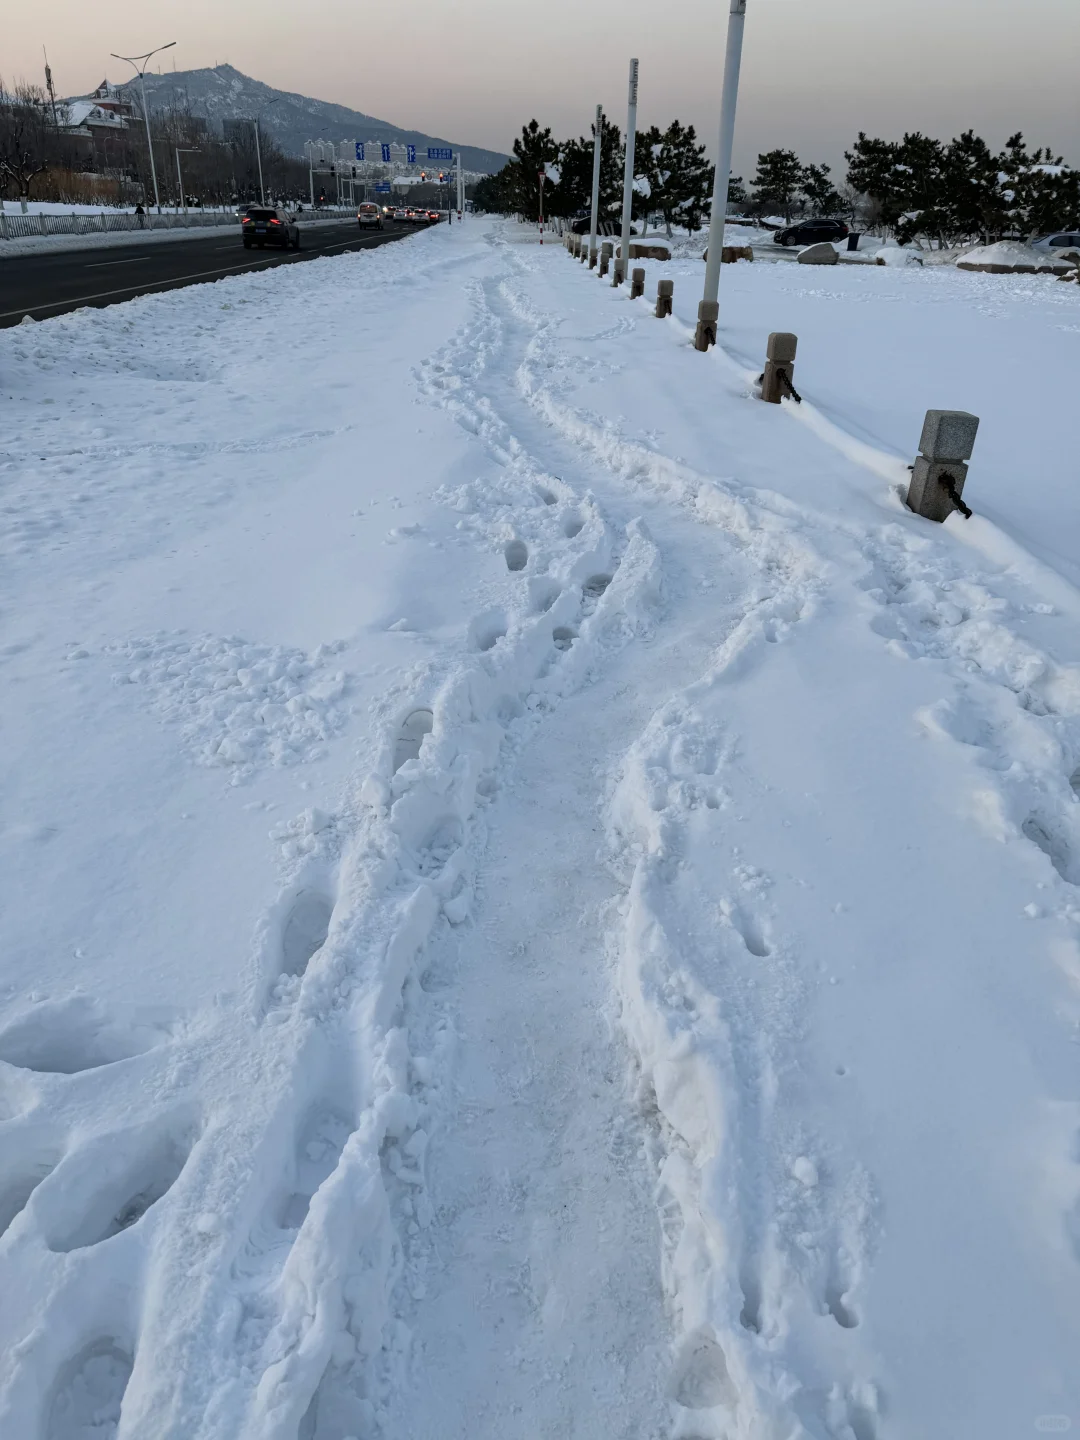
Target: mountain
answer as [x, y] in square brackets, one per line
[224, 93]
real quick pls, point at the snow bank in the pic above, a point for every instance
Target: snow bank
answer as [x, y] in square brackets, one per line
[1008, 257]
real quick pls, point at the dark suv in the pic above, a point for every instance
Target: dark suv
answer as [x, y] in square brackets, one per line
[262, 226]
[811, 232]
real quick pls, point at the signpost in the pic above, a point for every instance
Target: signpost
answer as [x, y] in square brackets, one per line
[410, 153]
[386, 154]
[439, 152]
[359, 150]
[383, 187]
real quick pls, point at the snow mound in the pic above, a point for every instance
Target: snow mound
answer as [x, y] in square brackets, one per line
[1009, 257]
[896, 255]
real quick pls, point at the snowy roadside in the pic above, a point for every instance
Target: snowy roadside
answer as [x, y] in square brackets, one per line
[603, 720]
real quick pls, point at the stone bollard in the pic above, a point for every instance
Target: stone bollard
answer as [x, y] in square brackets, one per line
[708, 316]
[584, 250]
[617, 270]
[777, 380]
[637, 284]
[592, 258]
[665, 294]
[605, 257]
[939, 472]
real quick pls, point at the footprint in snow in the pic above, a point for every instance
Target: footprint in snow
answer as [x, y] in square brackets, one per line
[411, 736]
[305, 931]
[89, 1393]
[517, 555]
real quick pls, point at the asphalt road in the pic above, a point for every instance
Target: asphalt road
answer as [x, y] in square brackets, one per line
[43, 285]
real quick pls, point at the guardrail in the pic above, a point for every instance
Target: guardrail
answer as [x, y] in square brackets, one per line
[18, 226]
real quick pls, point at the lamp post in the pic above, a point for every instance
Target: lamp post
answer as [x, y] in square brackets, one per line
[138, 63]
[709, 309]
[179, 177]
[258, 149]
[595, 183]
[623, 273]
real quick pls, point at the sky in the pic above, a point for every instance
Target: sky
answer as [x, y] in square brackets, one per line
[815, 72]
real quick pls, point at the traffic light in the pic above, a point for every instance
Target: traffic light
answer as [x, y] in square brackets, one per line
[423, 174]
[441, 177]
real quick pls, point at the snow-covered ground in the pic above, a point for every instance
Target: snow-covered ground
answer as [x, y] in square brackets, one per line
[538, 899]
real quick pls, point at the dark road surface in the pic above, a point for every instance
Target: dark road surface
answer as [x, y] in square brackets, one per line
[43, 284]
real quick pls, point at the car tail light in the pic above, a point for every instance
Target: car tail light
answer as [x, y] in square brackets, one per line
[275, 222]
[247, 220]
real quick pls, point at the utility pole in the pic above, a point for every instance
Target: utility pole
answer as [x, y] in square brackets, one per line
[179, 177]
[140, 70]
[622, 269]
[709, 309]
[596, 149]
[541, 207]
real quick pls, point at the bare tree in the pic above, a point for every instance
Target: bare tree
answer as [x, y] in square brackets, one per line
[24, 136]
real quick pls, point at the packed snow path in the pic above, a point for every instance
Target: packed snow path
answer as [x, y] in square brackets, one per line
[653, 1013]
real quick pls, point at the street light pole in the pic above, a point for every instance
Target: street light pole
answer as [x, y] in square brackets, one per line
[141, 72]
[258, 148]
[622, 273]
[595, 181]
[709, 309]
[179, 177]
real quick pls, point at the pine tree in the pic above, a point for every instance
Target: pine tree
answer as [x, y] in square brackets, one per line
[819, 191]
[777, 182]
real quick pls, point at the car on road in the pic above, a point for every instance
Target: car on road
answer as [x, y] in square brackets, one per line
[369, 216]
[434, 216]
[811, 232]
[401, 215]
[1059, 240]
[262, 226]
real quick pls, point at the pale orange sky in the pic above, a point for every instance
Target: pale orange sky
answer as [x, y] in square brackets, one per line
[815, 71]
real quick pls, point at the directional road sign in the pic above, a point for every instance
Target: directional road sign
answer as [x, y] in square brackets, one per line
[386, 154]
[410, 151]
[359, 150]
[438, 152]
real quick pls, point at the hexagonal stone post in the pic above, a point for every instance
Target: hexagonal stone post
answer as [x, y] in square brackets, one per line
[605, 257]
[708, 317]
[593, 257]
[665, 295]
[637, 283]
[939, 472]
[779, 376]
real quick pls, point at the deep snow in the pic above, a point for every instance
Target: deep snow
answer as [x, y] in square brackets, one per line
[538, 899]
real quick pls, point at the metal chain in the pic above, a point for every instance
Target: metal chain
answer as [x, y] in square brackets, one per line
[787, 386]
[948, 484]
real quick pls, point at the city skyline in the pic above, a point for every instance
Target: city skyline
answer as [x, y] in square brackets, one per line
[814, 74]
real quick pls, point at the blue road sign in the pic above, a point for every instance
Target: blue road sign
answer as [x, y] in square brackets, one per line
[359, 150]
[411, 152]
[438, 152]
[383, 187]
[386, 154]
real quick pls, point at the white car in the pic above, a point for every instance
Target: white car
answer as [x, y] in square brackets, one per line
[1059, 240]
[369, 215]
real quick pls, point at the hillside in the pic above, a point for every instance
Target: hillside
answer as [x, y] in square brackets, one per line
[224, 93]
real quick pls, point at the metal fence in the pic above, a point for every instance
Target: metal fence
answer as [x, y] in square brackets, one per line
[18, 226]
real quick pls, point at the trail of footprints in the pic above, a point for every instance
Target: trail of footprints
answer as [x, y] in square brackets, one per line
[85, 1197]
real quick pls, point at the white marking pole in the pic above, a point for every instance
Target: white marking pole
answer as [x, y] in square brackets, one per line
[595, 181]
[729, 103]
[628, 173]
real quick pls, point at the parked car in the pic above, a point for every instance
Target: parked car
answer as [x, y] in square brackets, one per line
[1059, 240]
[369, 216]
[811, 232]
[261, 226]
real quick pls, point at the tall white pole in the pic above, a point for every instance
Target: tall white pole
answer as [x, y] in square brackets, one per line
[258, 157]
[596, 151]
[709, 310]
[622, 268]
[149, 142]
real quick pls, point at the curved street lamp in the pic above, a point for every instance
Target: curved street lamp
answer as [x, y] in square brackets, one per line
[138, 62]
